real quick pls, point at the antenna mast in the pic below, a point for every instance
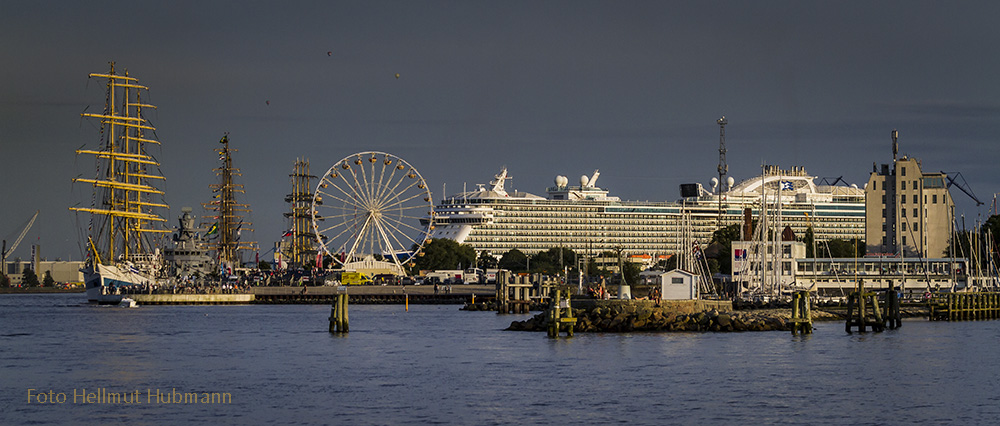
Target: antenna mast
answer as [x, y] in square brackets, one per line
[723, 167]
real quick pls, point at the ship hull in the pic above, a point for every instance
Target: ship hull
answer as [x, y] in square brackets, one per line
[104, 283]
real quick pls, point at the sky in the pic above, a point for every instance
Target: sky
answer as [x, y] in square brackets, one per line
[545, 88]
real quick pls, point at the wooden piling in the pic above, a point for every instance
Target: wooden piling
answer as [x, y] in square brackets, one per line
[801, 315]
[892, 316]
[560, 313]
[338, 317]
[862, 299]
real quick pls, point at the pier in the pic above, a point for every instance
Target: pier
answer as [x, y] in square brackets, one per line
[965, 306]
[375, 295]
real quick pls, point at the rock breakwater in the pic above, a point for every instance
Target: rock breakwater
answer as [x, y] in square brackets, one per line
[628, 318]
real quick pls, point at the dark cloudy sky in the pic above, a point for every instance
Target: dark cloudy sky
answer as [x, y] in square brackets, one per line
[544, 87]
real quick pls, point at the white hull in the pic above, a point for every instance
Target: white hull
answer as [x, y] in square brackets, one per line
[104, 282]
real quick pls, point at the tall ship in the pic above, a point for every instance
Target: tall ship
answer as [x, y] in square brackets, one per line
[587, 219]
[124, 227]
[225, 234]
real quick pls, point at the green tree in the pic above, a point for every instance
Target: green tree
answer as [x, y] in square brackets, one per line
[443, 253]
[724, 237]
[631, 272]
[841, 248]
[487, 261]
[4, 281]
[513, 260]
[29, 279]
[714, 265]
[549, 261]
[668, 264]
[264, 266]
[48, 281]
[809, 238]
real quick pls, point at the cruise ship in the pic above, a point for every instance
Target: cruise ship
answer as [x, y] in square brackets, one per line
[586, 219]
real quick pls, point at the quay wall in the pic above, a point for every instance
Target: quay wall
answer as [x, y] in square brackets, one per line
[191, 299]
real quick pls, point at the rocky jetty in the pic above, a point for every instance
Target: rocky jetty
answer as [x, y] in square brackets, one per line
[627, 318]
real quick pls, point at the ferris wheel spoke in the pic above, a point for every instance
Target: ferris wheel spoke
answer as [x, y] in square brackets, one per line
[334, 240]
[365, 183]
[352, 188]
[400, 201]
[356, 187]
[339, 216]
[402, 245]
[395, 188]
[388, 245]
[349, 221]
[392, 177]
[392, 186]
[377, 193]
[346, 201]
[357, 241]
[405, 225]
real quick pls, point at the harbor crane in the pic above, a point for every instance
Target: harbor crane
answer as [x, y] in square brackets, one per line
[24, 232]
[963, 185]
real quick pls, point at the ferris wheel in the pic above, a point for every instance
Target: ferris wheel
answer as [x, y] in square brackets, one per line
[372, 207]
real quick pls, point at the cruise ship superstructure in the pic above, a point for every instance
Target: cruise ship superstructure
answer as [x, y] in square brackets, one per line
[586, 219]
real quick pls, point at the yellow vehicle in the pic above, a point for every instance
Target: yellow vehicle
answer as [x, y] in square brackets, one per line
[354, 278]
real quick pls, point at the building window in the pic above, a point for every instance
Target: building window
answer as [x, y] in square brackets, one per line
[902, 212]
[914, 184]
[904, 227]
[902, 199]
[904, 240]
[904, 171]
[934, 199]
[915, 227]
[902, 184]
[916, 213]
[916, 199]
[676, 280]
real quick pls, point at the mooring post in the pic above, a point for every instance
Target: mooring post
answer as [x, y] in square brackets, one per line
[801, 316]
[892, 308]
[554, 326]
[851, 300]
[338, 318]
[502, 292]
[569, 318]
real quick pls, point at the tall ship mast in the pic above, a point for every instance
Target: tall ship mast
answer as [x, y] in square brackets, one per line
[302, 250]
[124, 227]
[226, 232]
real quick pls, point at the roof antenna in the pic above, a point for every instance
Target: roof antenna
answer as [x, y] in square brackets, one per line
[895, 145]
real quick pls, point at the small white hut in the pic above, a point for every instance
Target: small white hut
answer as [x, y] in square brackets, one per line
[677, 284]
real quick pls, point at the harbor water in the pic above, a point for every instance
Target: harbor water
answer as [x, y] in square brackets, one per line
[434, 364]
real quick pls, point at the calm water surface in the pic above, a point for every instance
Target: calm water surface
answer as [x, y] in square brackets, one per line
[438, 365]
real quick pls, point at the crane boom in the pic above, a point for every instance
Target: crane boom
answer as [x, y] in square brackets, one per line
[21, 237]
[963, 186]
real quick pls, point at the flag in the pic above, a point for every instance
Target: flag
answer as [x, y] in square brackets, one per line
[786, 185]
[740, 254]
[288, 233]
[214, 229]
